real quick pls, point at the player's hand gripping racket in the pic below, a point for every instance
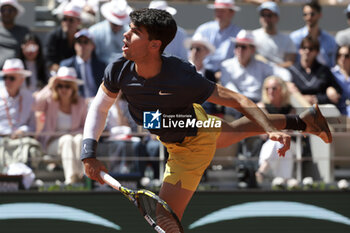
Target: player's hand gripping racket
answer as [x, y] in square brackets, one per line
[156, 211]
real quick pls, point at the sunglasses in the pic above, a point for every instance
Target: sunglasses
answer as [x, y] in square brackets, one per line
[69, 20]
[266, 15]
[345, 55]
[80, 41]
[65, 86]
[308, 48]
[242, 46]
[312, 14]
[11, 78]
[8, 10]
[198, 49]
[271, 88]
[32, 48]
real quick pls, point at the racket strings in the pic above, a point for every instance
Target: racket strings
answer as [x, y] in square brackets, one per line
[159, 213]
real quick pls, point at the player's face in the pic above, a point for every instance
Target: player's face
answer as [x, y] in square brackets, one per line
[136, 43]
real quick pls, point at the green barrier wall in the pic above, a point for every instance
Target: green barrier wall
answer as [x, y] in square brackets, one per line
[250, 212]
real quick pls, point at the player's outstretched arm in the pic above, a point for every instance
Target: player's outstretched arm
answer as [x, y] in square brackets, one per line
[228, 98]
[93, 128]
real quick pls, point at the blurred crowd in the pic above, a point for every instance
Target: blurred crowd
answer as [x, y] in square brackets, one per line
[46, 86]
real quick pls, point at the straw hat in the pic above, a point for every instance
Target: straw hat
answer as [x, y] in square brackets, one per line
[116, 12]
[72, 10]
[68, 74]
[15, 66]
[347, 10]
[244, 37]
[162, 5]
[15, 4]
[199, 39]
[224, 4]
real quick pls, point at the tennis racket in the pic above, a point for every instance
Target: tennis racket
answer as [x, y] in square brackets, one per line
[156, 211]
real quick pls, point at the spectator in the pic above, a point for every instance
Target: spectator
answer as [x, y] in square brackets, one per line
[108, 34]
[219, 33]
[61, 114]
[176, 46]
[343, 37]
[272, 44]
[121, 144]
[312, 79]
[275, 100]
[89, 9]
[32, 56]
[245, 74]
[312, 13]
[342, 74]
[89, 67]
[16, 117]
[200, 48]
[275, 96]
[60, 42]
[11, 34]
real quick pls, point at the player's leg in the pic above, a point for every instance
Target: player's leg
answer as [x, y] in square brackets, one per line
[186, 164]
[242, 128]
[176, 197]
[309, 121]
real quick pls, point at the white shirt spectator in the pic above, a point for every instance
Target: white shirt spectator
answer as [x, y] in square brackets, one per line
[19, 109]
[277, 166]
[273, 47]
[249, 80]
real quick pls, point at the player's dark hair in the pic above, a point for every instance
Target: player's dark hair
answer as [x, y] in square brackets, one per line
[159, 24]
[315, 5]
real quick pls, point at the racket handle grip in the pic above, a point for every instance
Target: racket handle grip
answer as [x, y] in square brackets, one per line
[110, 180]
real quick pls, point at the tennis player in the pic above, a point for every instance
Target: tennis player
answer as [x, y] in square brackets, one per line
[170, 87]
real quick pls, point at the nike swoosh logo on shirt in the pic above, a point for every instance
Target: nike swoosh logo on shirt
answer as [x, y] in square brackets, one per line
[164, 93]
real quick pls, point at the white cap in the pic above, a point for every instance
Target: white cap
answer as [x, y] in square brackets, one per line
[199, 39]
[15, 4]
[162, 5]
[68, 74]
[83, 32]
[15, 66]
[224, 4]
[116, 12]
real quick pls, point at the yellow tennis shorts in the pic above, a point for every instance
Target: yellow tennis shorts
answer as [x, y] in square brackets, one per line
[188, 160]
